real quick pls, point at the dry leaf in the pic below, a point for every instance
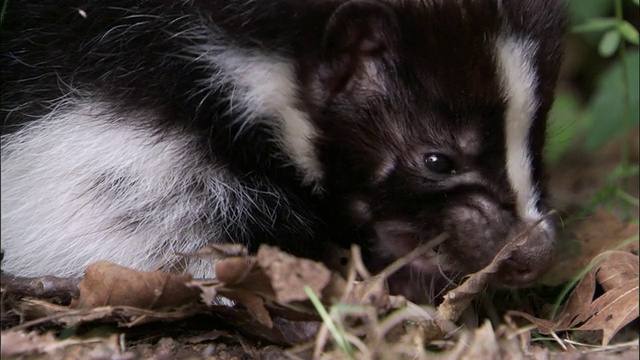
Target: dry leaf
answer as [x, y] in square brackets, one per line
[253, 303]
[234, 270]
[579, 300]
[21, 343]
[611, 311]
[616, 307]
[458, 299]
[242, 281]
[584, 240]
[620, 268]
[208, 290]
[484, 344]
[18, 343]
[288, 275]
[271, 276]
[105, 284]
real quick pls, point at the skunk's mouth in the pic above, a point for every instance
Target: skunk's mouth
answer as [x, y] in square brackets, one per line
[478, 230]
[427, 263]
[397, 240]
[424, 276]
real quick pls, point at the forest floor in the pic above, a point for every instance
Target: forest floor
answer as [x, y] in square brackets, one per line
[585, 308]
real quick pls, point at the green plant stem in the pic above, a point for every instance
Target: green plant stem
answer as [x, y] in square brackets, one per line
[3, 11]
[622, 54]
[341, 342]
[628, 198]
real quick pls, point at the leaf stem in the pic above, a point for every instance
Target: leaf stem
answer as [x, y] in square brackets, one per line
[622, 54]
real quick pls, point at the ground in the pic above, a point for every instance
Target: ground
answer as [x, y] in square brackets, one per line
[120, 313]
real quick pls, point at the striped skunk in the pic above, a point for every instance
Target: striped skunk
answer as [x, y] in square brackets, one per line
[137, 129]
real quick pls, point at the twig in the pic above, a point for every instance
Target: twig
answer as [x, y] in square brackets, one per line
[44, 287]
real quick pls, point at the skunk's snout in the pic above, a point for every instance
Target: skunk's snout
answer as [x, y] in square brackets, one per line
[481, 226]
[531, 260]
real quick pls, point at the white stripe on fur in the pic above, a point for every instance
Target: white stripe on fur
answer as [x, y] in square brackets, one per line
[265, 89]
[518, 85]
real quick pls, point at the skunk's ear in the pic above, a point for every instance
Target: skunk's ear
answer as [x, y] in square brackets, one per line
[358, 31]
[359, 27]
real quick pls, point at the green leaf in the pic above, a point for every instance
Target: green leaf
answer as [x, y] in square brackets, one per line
[583, 10]
[609, 43]
[629, 32]
[623, 172]
[608, 105]
[637, 2]
[595, 25]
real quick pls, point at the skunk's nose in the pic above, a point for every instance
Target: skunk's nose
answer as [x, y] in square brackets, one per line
[531, 260]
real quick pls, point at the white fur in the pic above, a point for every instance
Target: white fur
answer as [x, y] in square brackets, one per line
[519, 79]
[265, 85]
[57, 217]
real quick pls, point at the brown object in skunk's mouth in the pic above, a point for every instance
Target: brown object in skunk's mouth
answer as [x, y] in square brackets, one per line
[525, 255]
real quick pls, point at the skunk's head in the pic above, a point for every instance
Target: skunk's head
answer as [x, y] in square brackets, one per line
[431, 118]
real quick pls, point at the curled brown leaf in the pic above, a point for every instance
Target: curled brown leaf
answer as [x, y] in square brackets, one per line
[108, 284]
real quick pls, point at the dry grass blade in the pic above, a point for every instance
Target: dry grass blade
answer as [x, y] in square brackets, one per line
[374, 289]
[44, 313]
[417, 252]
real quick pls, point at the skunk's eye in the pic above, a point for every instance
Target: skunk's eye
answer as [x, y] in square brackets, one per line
[439, 164]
